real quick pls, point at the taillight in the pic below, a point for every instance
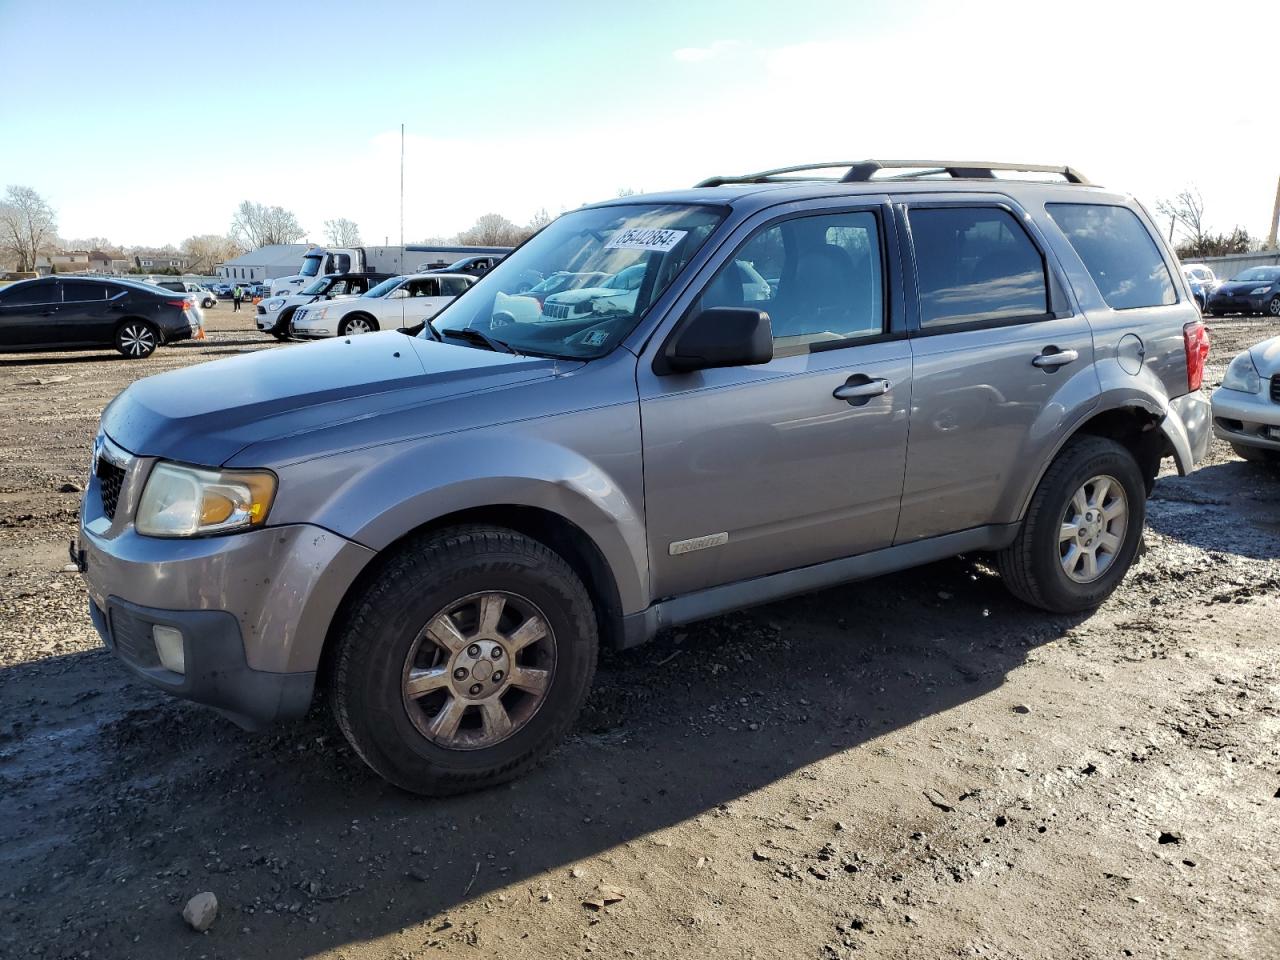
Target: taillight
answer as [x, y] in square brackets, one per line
[180, 304]
[1196, 339]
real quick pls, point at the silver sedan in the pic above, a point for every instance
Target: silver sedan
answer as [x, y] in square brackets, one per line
[1246, 408]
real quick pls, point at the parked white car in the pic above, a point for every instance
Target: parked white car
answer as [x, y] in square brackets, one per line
[401, 302]
[198, 292]
[1246, 408]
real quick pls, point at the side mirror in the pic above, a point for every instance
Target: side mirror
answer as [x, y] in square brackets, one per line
[720, 337]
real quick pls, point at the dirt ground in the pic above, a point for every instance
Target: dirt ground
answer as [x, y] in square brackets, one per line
[917, 766]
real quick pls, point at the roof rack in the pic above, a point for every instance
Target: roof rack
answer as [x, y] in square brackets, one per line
[862, 171]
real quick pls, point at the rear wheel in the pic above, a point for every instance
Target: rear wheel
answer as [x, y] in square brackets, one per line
[357, 323]
[209, 303]
[464, 661]
[1081, 531]
[137, 339]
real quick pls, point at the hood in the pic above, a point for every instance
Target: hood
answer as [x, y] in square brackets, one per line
[1237, 287]
[205, 414]
[1266, 357]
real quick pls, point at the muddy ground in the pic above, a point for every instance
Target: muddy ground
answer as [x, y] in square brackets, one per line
[917, 766]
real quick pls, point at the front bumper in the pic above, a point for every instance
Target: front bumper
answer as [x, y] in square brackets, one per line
[1250, 419]
[1237, 304]
[254, 608]
[215, 673]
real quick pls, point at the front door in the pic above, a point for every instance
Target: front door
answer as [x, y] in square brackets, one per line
[28, 314]
[759, 469]
[996, 345]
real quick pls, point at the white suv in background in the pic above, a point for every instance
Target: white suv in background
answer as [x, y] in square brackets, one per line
[398, 303]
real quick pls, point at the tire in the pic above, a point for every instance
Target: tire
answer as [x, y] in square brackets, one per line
[1256, 454]
[209, 303]
[1034, 566]
[137, 339]
[1273, 307]
[448, 576]
[357, 321]
[280, 335]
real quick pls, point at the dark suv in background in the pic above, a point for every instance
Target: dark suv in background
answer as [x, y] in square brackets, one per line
[55, 313]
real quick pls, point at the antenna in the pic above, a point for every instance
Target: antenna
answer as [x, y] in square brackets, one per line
[402, 198]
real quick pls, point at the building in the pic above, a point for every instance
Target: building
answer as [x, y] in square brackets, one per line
[265, 263]
[161, 261]
[69, 261]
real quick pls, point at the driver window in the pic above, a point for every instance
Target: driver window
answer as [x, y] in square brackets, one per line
[819, 278]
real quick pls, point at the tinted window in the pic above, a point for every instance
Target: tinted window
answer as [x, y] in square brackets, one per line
[29, 293]
[1118, 252]
[73, 290]
[975, 264]
[819, 279]
[453, 286]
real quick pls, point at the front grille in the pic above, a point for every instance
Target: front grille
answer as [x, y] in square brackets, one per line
[132, 638]
[1275, 388]
[110, 480]
[299, 315]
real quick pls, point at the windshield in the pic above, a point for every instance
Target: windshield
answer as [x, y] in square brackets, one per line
[1266, 274]
[609, 265]
[385, 287]
[316, 286]
[310, 266]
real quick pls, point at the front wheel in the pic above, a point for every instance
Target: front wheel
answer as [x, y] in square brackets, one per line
[209, 303]
[1256, 454]
[1082, 530]
[1273, 307]
[464, 660]
[137, 339]
[360, 323]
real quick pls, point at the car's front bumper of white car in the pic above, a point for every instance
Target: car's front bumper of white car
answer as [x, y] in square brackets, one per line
[1249, 419]
[312, 323]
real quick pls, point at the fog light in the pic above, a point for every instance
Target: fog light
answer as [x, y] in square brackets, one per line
[169, 647]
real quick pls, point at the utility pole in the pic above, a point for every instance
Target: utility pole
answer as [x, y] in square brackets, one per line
[1275, 218]
[402, 198]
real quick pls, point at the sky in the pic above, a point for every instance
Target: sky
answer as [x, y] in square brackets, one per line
[148, 122]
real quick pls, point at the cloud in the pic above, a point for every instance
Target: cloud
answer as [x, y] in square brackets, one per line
[703, 54]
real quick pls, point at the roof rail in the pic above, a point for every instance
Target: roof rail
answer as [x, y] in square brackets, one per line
[861, 171]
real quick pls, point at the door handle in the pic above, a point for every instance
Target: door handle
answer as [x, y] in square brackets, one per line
[860, 388]
[1052, 358]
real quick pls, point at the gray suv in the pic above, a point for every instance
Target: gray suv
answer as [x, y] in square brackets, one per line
[822, 374]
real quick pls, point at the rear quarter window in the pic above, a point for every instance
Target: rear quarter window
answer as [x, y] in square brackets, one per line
[1118, 252]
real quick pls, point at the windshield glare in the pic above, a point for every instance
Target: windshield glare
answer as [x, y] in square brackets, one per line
[310, 267]
[583, 283]
[385, 287]
[1254, 274]
[317, 286]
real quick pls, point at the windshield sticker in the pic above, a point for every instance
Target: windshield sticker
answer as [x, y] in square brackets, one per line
[595, 338]
[659, 241]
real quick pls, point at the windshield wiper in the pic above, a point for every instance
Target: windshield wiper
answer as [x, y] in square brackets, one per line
[483, 339]
[431, 327]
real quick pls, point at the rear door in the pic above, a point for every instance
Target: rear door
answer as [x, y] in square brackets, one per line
[87, 315]
[999, 356]
[28, 314]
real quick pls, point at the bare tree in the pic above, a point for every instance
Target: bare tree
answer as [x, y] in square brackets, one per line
[27, 226]
[342, 232]
[539, 220]
[491, 230]
[208, 250]
[257, 225]
[1187, 211]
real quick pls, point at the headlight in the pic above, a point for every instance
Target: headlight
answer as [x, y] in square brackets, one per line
[317, 314]
[1242, 375]
[183, 501]
[274, 304]
[1258, 291]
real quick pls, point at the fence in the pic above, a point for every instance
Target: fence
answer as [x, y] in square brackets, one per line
[1224, 268]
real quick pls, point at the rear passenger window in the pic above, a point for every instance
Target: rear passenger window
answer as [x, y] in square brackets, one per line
[974, 265]
[74, 292]
[1118, 252]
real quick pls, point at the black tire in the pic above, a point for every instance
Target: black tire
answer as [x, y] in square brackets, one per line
[1256, 454]
[137, 339]
[280, 335]
[209, 303]
[1273, 306]
[344, 326]
[415, 584]
[1032, 566]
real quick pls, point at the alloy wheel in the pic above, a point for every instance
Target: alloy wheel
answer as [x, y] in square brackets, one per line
[359, 325]
[1093, 529]
[1274, 306]
[137, 340]
[479, 670]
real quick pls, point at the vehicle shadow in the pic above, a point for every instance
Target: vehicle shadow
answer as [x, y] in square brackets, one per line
[1231, 507]
[311, 851]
